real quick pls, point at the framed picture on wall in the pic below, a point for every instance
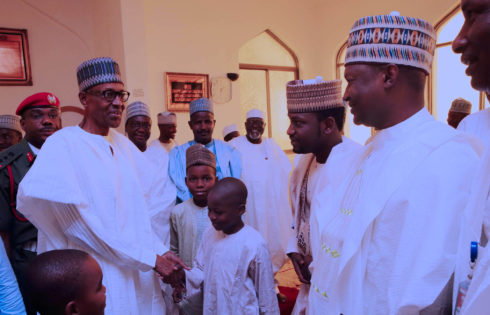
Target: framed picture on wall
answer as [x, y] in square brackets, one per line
[183, 88]
[15, 66]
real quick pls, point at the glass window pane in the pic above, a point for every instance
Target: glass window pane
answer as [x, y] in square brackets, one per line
[265, 50]
[451, 83]
[449, 31]
[253, 94]
[279, 113]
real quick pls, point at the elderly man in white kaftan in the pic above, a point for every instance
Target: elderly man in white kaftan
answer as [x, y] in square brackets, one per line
[388, 234]
[92, 189]
[265, 172]
[317, 116]
[228, 159]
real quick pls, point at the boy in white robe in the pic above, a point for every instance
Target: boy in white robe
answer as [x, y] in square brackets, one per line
[232, 269]
[189, 220]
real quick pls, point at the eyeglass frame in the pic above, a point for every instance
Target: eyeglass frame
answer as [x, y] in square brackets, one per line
[116, 94]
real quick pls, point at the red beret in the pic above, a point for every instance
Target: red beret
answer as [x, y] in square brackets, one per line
[43, 99]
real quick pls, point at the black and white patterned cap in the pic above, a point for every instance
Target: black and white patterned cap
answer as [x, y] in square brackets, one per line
[97, 71]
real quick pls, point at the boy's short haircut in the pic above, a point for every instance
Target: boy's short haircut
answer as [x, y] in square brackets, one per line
[54, 278]
[197, 154]
[234, 188]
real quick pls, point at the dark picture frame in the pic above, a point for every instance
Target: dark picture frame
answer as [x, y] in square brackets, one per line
[15, 64]
[183, 88]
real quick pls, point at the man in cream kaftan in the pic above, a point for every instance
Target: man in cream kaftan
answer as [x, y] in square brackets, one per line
[265, 172]
[234, 274]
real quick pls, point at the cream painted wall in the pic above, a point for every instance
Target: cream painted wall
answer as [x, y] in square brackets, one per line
[150, 37]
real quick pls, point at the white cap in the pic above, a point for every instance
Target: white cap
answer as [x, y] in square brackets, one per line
[167, 118]
[229, 129]
[255, 113]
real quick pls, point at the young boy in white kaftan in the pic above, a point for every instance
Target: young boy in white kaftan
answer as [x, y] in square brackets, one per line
[189, 220]
[232, 269]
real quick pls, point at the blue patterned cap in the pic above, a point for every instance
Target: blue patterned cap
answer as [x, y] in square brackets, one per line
[201, 105]
[393, 39]
[97, 71]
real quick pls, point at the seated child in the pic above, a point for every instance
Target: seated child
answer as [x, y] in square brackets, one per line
[233, 268]
[189, 220]
[66, 281]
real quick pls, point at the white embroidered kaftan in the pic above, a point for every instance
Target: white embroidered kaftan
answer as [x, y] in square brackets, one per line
[389, 239]
[104, 197]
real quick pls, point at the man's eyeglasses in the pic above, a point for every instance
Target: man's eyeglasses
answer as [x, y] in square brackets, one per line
[110, 95]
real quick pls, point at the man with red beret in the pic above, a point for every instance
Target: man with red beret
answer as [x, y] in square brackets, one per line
[40, 118]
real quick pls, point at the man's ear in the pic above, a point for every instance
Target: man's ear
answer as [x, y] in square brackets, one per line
[23, 123]
[390, 75]
[327, 125]
[71, 308]
[82, 96]
[241, 209]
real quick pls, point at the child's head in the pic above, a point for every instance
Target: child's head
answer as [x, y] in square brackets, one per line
[226, 204]
[200, 172]
[65, 281]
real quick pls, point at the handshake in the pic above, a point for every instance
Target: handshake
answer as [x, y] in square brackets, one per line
[170, 269]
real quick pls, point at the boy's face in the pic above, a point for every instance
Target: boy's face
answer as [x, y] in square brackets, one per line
[224, 212]
[92, 296]
[200, 179]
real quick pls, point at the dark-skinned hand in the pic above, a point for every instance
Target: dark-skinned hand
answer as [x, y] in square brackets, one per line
[301, 264]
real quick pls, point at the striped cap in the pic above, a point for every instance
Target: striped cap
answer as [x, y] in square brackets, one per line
[197, 154]
[97, 71]
[137, 109]
[10, 122]
[393, 39]
[305, 96]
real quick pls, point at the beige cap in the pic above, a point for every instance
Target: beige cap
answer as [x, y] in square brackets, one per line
[197, 154]
[315, 95]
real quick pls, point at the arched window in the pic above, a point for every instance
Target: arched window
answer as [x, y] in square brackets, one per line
[446, 82]
[266, 65]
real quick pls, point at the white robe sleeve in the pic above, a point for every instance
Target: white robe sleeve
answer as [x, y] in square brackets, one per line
[260, 271]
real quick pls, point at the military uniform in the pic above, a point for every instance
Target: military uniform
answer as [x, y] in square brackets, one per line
[14, 164]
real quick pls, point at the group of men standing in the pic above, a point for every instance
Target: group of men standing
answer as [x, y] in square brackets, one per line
[380, 228]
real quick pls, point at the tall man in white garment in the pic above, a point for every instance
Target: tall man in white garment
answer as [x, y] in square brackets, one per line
[317, 115]
[389, 237]
[473, 43]
[228, 159]
[92, 189]
[265, 172]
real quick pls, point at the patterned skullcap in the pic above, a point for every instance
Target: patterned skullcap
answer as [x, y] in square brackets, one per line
[43, 99]
[97, 71]
[197, 154]
[393, 39]
[304, 96]
[167, 118]
[137, 109]
[460, 105]
[229, 129]
[255, 113]
[201, 105]
[10, 122]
